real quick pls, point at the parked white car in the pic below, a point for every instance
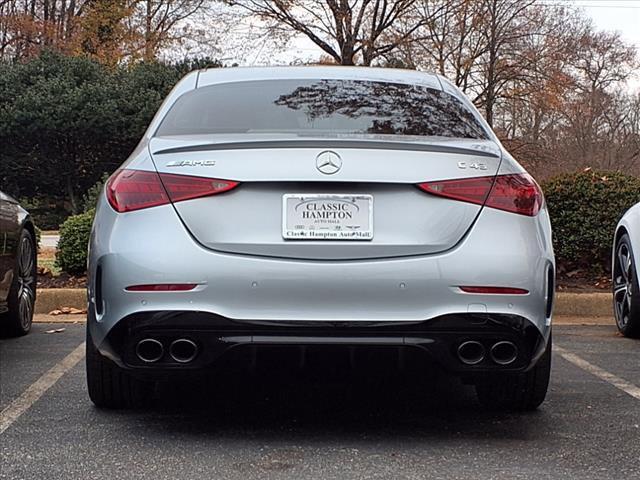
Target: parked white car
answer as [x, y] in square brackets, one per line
[626, 300]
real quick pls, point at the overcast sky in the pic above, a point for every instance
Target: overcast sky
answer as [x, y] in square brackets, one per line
[620, 15]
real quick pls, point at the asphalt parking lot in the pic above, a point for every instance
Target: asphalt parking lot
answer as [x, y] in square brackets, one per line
[321, 423]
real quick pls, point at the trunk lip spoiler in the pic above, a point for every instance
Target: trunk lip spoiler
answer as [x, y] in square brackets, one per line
[342, 144]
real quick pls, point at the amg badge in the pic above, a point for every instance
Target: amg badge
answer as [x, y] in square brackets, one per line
[191, 163]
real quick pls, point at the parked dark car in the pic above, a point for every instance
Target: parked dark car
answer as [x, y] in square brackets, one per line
[18, 257]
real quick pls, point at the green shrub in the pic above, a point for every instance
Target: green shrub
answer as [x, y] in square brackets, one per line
[71, 256]
[585, 208]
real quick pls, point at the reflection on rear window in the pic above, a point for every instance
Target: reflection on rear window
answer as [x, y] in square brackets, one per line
[320, 106]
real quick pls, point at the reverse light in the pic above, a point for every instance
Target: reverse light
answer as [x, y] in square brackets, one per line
[129, 190]
[162, 287]
[495, 290]
[515, 193]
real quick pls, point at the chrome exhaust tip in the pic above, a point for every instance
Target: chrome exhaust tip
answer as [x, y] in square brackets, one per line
[471, 352]
[504, 352]
[149, 350]
[183, 350]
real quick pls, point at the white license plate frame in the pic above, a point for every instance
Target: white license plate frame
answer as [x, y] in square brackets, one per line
[342, 219]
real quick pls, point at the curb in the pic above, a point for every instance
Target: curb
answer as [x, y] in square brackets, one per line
[566, 304]
[44, 318]
[48, 299]
[583, 304]
[568, 321]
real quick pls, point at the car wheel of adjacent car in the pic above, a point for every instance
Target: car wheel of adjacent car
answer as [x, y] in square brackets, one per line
[626, 300]
[517, 392]
[111, 386]
[22, 295]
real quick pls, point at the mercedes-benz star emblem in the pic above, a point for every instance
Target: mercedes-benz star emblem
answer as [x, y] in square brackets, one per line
[328, 162]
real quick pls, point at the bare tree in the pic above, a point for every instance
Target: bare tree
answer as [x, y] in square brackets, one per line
[348, 31]
[99, 28]
[581, 114]
[532, 96]
[476, 43]
[448, 40]
[158, 22]
[597, 108]
[505, 23]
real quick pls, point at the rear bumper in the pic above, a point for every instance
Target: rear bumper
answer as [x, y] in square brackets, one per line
[502, 249]
[214, 336]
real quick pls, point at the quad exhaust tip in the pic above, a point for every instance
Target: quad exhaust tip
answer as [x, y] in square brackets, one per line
[504, 352]
[471, 352]
[149, 350]
[183, 350]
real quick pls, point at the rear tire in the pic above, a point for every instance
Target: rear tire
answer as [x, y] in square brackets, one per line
[22, 294]
[517, 392]
[626, 290]
[111, 386]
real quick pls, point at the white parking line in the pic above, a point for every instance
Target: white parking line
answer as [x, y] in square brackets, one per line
[619, 383]
[31, 395]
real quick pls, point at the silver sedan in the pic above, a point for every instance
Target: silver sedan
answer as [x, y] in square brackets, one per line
[314, 207]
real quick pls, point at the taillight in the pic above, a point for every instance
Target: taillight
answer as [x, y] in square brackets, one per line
[516, 193]
[183, 187]
[472, 190]
[129, 190]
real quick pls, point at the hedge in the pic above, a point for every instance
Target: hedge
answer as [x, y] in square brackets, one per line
[585, 208]
[66, 120]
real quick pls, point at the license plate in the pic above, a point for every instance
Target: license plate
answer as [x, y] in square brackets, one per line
[327, 216]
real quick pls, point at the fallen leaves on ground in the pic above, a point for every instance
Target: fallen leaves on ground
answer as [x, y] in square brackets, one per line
[55, 330]
[68, 311]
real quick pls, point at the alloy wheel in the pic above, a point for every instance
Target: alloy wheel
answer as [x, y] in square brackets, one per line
[26, 282]
[623, 280]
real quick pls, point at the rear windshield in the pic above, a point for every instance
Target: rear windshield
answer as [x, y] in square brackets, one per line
[321, 107]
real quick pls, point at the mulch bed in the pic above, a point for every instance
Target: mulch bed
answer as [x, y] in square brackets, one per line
[582, 282]
[64, 280]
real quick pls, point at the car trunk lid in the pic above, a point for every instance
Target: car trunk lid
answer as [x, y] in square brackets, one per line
[375, 172]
